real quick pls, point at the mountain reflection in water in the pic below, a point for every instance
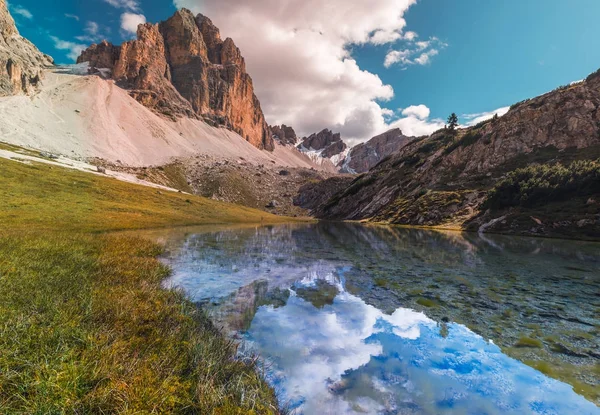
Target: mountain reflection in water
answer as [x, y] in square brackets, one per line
[330, 308]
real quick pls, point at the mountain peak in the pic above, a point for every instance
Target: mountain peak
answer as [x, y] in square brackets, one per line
[21, 63]
[182, 68]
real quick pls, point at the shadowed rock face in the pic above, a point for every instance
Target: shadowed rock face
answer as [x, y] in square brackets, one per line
[365, 156]
[326, 141]
[182, 67]
[286, 135]
[21, 63]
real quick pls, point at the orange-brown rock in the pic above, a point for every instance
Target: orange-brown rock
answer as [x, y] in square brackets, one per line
[21, 63]
[181, 67]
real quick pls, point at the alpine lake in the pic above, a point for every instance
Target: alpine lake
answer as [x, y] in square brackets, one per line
[352, 319]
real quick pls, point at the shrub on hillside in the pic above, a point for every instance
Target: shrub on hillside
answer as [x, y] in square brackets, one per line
[538, 184]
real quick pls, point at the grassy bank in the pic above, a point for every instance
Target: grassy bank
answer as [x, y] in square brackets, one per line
[84, 324]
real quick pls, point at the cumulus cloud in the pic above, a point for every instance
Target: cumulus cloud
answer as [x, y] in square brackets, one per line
[420, 111]
[474, 119]
[299, 55]
[413, 126]
[131, 21]
[21, 11]
[414, 120]
[414, 52]
[74, 49]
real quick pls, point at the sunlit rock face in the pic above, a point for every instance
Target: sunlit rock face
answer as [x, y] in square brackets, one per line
[182, 67]
[21, 63]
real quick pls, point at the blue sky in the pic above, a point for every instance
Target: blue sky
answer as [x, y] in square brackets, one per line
[482, 55]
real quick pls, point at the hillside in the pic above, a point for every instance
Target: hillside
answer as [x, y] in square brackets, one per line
[85, 116]
[443, 180]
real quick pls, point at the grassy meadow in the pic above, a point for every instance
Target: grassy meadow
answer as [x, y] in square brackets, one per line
[85, 327]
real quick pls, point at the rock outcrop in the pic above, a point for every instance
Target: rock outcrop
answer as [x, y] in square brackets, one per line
[182, 68]
[284, 134]
[363, 157]
[443, 179]
[21, 63]
[326, 144]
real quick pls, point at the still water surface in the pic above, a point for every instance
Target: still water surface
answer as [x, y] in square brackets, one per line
[352, 319]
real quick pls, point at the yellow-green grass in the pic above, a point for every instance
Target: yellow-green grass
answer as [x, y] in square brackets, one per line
[85, 326]
[46, 197]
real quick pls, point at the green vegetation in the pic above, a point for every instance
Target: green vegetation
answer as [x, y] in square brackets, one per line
[170, 175]
[452, 122]
[529, 342]
[540, 184]
[84, 324]
[426, 302]
[46, 197]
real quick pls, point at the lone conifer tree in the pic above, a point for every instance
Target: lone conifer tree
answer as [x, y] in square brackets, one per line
[452, 122]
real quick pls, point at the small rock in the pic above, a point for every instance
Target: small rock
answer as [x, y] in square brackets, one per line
[100, 169]
[584, 222]
[272, 204]
[284, 173]
[48, 155]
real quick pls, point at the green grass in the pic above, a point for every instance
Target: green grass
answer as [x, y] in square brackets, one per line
[525, 341]
[51, 198]
[85, 326]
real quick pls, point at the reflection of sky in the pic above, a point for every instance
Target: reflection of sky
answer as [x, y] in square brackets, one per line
[349, 357]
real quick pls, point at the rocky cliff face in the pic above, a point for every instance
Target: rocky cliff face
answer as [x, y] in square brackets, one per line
[443, 179]
[21, 63]
[182, 67]
[325, 144]
[286, 135]
[365, 156]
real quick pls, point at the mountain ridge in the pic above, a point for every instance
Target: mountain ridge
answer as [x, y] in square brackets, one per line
[443, 180]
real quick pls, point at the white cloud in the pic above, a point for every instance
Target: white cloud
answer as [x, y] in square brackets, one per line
[419, 111]
[72, 16]
[414, 53]
[131, 21]
[474, 119]
[21, 11]
[92, 33]
[298, 54]
[397, 56]
[413, 126]
[425, 57]
[92, 28]
[132, 5]
[74, 49]
[410, 36]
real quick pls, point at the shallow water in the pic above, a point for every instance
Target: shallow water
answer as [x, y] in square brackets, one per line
[356, 319]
